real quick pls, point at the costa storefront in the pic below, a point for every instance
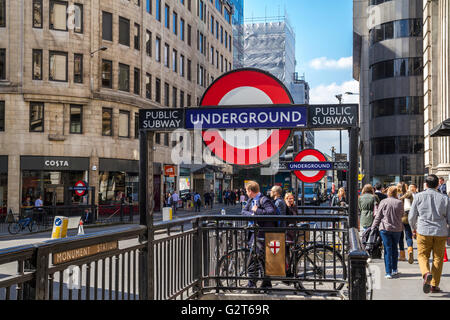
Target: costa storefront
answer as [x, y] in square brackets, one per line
[51, 177]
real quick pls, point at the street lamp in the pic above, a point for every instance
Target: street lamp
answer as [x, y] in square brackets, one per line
[100, 49]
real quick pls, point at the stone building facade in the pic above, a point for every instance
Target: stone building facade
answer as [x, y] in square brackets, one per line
[436, 50]
[73, 76]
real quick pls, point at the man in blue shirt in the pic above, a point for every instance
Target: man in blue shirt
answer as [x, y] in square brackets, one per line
[442, 186]
[197, 202]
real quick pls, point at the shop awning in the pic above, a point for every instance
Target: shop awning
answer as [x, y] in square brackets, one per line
[442, 130]
[201, 168]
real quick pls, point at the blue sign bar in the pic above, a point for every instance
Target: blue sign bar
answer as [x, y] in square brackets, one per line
[311, 166]
[247, 117]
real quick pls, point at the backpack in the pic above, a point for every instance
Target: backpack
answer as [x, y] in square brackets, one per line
[371, 240]
[277, 210]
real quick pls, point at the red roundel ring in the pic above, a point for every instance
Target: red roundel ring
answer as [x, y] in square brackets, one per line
[245, 87]
[310, 155]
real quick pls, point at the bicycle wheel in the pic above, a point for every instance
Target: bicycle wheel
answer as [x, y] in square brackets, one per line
[236, 264]
[32, 226]
[317, 263]
[14, 228]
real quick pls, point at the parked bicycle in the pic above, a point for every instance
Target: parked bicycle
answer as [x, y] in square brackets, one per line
[313, 265]
[20, 225]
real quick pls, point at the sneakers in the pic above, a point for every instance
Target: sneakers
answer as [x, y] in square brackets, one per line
[388, 276]
[395, 273]
[426, 282]
[410, 255]
[435, 289]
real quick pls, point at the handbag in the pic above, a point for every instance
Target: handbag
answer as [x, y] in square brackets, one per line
[407, 207]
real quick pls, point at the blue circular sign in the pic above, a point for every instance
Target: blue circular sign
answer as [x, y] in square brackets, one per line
[58, 222]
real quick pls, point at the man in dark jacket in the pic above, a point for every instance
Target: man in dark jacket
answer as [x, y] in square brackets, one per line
[378, 192]
[259, 205]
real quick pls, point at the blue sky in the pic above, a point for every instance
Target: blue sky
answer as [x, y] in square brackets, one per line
[324, 40]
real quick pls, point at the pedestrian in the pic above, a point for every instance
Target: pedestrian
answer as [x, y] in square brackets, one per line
[367, 203]
[242, 198]
[175, 199]
[401, 191]
[442, 186]
[40, 212]
[407, 200]
[389, 221]
[276, 194]
[197, 202]
[378, 191]
[430, 216]
[339, 200]
[258, 205]
[211, 198]
[206, 197]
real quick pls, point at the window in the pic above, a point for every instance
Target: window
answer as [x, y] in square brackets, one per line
[397, 106]
[181, 65]
[189, 30]
[107, 122]
[217, 30]
[136, 125]
[212, 55]
[189, 71]
[166, 94]
[78, 18]
[2, 115]
[212, 24]
[124, 124]
[36, 117]
[226, 65]
[200, 9]
[137, 81]
[158, 138]
[189, 100]
[158, 49]
[221, 34]
[2, 13]
[137, 36]
[181, 99]
[137, 2]
[148, 43]
[166, 55]
[229, 43]
[166, 139]
[167, 16]
[226, 39]
[219, 5]
[396, 29]
[217, 59]
[189, 5]
[398, 145]
[158, 90]
[148, 86]
[158, 10]
[221, 63]
[174, 96]
[174, 60]
[175, 23]
[76, 119]
[106, 74]
[404, 67]
[107, 26]
[182, 29]
[58, 15]
[149, 6]
[124, 77]
[37, 13]
[58, 66]
[124, 31]
[78, 68]
[227, 16]
[37, 64]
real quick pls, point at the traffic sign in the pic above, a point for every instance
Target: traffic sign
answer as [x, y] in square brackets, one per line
[80, 188]
[247, 87]
[310, 175]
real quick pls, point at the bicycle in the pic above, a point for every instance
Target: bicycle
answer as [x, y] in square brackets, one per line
[311, 263]
[20, 225]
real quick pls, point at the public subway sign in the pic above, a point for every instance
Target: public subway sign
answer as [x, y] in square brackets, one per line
[333, 116]
[247, 117]
[161, 119]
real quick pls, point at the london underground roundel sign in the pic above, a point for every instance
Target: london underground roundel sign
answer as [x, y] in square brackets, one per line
[310, 155]
[246, 87]
[80, 188]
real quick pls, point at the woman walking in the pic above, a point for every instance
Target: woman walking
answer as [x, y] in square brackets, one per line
[389, 221]
[339, 200]
[366, 204]
[407, 200]
[402, 189]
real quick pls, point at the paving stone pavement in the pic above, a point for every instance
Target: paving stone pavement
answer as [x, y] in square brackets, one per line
[408, 286]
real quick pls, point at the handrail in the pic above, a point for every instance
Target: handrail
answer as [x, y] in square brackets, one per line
[357, 263]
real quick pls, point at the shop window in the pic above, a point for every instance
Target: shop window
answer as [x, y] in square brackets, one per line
[58, 66]
[78, 68]
[37, 13]
[118, 188]
[124, 77]
[124, 124]
[2, 115]
[107, 26]
[148, 86]
[37, 64]
[148, 43]
[137, 81]
[107, 122]
[137, 36]
[124, 31]
[3, 192]
[36, 117]
[106, 74]
[76, 119]
[58, 15]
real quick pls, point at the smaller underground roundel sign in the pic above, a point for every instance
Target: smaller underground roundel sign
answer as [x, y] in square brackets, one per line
[310, 155]
[80, 188]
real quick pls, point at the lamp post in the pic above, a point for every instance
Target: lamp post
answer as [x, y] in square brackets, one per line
[99, 49]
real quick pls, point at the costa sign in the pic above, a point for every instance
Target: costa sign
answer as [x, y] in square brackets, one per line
[247, 87]
[311, 157]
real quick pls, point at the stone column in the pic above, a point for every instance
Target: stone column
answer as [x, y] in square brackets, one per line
[14, 200]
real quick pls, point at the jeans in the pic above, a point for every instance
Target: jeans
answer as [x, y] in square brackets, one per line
[390, 243]
[408, 233]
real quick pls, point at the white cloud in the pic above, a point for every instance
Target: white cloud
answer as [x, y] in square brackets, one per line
[324, 94]
[325, 63]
